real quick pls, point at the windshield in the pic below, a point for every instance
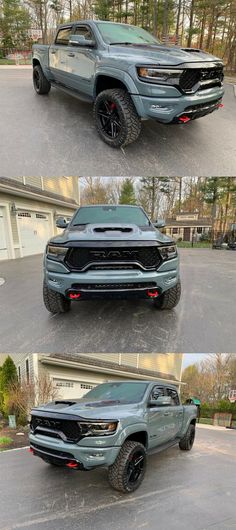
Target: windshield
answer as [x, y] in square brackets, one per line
[122, 392]
[124, 33]
[110, 214]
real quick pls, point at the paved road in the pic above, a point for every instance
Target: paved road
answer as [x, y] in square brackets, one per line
[55, 135]
[180, 491]
[204, 321]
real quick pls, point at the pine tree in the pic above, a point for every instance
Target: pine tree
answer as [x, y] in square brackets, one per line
[8, 374]
[127, 194]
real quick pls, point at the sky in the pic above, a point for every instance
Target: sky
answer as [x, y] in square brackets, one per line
[191, 358]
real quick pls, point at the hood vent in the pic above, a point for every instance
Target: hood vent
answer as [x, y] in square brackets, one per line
[191, 50]
[123, 229]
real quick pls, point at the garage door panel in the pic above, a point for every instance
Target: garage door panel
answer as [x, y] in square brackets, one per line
[34, 231]
[68, 389]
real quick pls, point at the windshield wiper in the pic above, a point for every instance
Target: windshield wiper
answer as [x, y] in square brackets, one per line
[125, 43]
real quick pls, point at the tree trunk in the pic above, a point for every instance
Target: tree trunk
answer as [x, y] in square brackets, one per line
[191, 24]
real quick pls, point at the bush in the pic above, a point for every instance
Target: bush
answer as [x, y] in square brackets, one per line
[208, 410]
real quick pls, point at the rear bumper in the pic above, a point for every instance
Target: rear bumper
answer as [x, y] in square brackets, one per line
[112, 284]
[85, 458]
[169, 110]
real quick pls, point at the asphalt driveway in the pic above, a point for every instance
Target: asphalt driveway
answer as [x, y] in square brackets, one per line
[204, 320]
[55, 135]
[181, 491]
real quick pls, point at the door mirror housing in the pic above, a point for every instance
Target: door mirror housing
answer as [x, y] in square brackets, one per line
[79, 40]
[61, 222]
[160, 223]
[161, 401]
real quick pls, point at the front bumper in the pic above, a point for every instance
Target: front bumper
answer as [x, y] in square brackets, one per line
[112, 284]
[57, 452]
[170, 109]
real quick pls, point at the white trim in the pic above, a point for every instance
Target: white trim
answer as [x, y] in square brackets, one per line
[9, 236]
[35, 365]
[35, 196]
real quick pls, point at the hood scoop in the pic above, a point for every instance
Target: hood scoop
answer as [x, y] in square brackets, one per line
[191, 50]
[103, 229]
[66, 402]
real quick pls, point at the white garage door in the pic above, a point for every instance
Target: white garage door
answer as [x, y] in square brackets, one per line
[71, 389]
[3, 236]
[34, 231]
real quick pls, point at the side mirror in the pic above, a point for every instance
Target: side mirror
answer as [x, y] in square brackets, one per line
[61, 222]
[161, 401]
[160, 223]
[79, 40]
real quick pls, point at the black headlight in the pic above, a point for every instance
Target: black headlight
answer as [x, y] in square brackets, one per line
[165, 76]
[97, 428]
[168, 252]
[56, 253]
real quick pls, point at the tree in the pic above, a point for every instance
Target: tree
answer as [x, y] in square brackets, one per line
[15, 21]
[8, 374]
[127, 192]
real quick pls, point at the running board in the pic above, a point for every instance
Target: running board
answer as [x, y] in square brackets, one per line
[163, 446]
[71, 92]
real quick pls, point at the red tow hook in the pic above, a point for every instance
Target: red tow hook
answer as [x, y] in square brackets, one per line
[220, 106]
[74, 296]
[30, 450]
[184, 119]
[153, 294]
[72, 465]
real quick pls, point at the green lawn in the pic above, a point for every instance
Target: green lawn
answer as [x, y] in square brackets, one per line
[207, 421]
[5, 441]
[199, 244]
[11, 61]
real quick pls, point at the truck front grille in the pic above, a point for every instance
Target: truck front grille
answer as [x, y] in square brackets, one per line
[50, 426]
[203, 77]
[146, 257]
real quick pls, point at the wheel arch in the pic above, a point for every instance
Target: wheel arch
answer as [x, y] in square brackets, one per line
[113, 78]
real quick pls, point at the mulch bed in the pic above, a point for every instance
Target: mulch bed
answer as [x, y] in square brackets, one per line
[18, 441]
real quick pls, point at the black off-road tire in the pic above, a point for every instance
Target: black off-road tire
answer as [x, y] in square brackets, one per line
[40, 82]
[55, 302]
[128, 117]
[118, 473]
[169, 299]
[187, 441]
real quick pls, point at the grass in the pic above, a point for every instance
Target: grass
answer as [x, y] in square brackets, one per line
[199, 244]
[206, 421]
[11, 61]
[5, 441]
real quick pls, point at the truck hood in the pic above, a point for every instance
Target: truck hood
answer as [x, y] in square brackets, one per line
[109, 232]
[86, 409]
[162, 55]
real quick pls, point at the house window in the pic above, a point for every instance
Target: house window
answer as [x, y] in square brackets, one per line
[175, 230]
[199, 229]
[19, 374]
[27, 370]
[86, 387]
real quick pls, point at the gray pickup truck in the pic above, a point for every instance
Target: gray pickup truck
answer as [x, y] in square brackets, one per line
[129, 76]
[109, 251]
[115, 425]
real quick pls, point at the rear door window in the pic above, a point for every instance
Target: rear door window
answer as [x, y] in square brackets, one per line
[174, 396]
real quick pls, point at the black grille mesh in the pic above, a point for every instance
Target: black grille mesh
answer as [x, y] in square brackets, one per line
[191, 76]
[148, 256]
[68, 427]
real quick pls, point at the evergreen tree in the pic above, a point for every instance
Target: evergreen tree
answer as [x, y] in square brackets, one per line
[8, 374]
[15, 21]
[127, 193]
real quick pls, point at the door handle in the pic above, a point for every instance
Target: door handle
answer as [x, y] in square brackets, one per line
[52, 52]
[180, 413]
[166, 413]
[71, 54]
